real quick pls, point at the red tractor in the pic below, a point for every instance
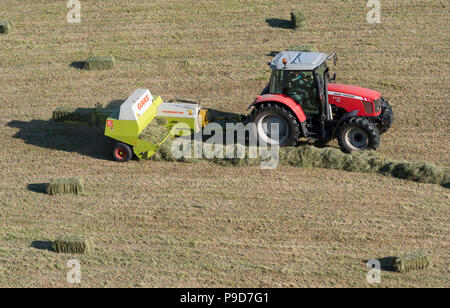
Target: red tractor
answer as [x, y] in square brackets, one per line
[301, 99]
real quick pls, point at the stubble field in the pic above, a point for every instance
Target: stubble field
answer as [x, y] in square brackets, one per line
[161, 224]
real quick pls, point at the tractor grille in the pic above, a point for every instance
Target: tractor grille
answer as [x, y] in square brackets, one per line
[377, 104]
[368, 107]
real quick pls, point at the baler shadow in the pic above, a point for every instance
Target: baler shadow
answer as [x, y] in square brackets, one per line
[78, 138]
[280, 23]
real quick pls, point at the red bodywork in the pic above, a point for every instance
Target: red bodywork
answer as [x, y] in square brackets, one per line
[354, 98]
[347, 97]
[285, 100]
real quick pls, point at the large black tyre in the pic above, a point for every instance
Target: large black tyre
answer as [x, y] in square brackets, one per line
[387, 116]
[358, 134]
[122, 152]
[267, 113]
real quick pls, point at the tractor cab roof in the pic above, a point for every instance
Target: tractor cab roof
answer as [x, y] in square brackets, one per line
[297, 61]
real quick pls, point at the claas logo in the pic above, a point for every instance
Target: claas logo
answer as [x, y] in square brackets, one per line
[110, 124]
[142, 103]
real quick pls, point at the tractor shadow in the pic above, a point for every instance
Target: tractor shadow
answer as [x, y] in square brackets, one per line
[43, 245]
[78, 64]
[73, 138]
[280, 23]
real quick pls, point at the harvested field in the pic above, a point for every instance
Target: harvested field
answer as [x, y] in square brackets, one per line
[174, 224]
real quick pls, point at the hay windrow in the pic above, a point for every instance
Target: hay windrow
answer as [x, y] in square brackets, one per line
[100, 63]
[6, 27]
[411, 261]
[73, 244]
[298, 20]
[73, 185]
[328, 158]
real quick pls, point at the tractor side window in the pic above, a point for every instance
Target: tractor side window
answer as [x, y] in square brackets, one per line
[301, 88]
[276, 82]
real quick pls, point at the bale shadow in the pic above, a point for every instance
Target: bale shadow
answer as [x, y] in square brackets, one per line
[78, 64]
[38, 188]
[280, 23]
[73, 138]
[387, 263]
[43, 245]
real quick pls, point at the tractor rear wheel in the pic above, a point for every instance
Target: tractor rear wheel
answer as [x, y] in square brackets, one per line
[270, 113]
[122, 152]
[358, 134]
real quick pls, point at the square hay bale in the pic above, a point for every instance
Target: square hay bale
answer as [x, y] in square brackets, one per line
[99, 63]
[298, 20]
[73, 185]
[411, 261]
[73, 244]
[6, 27]
[306, 48]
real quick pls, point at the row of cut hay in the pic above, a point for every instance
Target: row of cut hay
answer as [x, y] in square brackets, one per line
[330, 158]
[6, 27]
[73, 185]
[73, 244]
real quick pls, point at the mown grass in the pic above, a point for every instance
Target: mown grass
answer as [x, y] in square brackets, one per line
[174, 224]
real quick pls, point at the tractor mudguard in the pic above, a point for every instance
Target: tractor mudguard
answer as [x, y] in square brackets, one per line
[344, 118]
[284, 100]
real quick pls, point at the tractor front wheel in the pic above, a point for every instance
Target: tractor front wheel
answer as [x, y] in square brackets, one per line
[358, 134]
[387, 116]
[122, 152]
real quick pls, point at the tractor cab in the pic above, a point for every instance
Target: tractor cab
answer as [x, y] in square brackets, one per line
[303, 77]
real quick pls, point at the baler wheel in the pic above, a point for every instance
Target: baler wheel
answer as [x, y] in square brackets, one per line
[122, 152]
